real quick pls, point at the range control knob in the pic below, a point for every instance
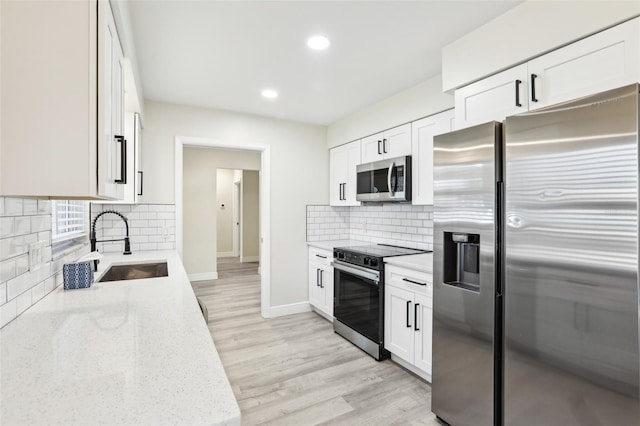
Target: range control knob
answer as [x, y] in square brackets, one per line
[374, 263]
[366, 261]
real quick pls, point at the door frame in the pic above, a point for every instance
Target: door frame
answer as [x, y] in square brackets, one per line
[265, 204]
[237, 219]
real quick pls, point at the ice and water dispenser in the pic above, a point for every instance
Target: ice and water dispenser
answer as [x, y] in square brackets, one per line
[462, 260]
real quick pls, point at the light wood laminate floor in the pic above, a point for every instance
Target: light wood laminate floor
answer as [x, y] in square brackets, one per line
[295, 370]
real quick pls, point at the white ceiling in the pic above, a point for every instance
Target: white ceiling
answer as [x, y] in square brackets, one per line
[222, 54]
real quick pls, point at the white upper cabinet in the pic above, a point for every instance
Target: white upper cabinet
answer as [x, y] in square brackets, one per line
[423, 132]
[372, 148]
[493, 98]
[603, 61]
[62, 103]
[343, 161]
[391, 143]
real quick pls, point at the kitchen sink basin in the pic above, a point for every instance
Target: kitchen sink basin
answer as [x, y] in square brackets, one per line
[135, 271]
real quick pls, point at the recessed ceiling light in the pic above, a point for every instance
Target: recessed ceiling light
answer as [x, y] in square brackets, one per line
[318, 42]
[269, 93]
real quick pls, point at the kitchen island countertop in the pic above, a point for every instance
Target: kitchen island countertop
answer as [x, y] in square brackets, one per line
[121, 352]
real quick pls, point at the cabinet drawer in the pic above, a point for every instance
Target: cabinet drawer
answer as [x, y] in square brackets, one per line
[323, 257]
[410, 280]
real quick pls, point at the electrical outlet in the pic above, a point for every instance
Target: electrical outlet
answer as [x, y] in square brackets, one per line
[36, 255]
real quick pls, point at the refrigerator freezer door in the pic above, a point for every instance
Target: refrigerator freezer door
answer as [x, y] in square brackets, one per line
[464, 244]
[571, 263]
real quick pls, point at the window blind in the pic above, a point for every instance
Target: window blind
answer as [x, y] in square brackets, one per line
[69, 220]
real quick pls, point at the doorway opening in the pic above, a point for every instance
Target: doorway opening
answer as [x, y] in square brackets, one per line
[197, 162]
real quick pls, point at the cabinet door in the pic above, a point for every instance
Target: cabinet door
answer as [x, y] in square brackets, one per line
[396, 142]
[423, 310]
[423, 132]
[326, 284]
[601, 62]
[338, 164]
[398, 322]
[316, 295]
[372, 148]
[120, 155]
[109, 107]
[353, 159]
[493, 98]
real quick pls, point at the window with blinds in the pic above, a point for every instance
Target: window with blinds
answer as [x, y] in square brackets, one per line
[70, 220]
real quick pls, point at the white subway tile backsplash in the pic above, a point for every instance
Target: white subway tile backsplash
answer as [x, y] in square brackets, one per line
[6, 226]
[397, 224]
[12, 207]
[151, 226]
[29, 207]
[25, 221]
[7, 312]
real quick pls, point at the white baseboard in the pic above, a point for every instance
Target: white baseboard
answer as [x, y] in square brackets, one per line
[204, 276]
[290, 309]
[250, 259]
[322, 313]
[226, 254]
[412, 368]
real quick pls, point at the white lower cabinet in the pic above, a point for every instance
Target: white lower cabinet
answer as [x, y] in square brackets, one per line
[321, 281]
[408, 310]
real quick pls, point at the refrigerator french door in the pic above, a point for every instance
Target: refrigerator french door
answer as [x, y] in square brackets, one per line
[466, 173]
[571, 263]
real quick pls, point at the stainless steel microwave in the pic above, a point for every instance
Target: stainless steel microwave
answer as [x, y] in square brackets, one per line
[385, 180]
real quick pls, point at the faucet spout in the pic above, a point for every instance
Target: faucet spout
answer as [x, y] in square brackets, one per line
[94, 241]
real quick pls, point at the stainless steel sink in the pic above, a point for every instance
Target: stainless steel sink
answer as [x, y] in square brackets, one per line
[135, 272]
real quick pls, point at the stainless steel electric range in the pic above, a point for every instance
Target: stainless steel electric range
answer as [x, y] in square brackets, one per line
[358, 301]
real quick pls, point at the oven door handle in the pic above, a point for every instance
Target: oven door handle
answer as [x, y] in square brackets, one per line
[358, 271]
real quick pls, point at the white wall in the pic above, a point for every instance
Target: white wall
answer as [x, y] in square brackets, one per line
[224, 220]
[250, 214]
[299, 176]
[417, 102]
[200, 207]
[528, 30]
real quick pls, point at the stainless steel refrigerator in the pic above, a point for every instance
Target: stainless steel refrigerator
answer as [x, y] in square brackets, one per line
[536, 267]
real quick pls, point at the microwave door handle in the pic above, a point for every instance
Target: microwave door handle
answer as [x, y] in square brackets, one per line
[389, 172]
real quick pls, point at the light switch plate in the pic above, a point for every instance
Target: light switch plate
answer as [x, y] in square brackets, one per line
[36, 254]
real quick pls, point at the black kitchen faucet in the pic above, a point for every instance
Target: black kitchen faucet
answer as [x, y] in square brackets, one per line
[92, 235]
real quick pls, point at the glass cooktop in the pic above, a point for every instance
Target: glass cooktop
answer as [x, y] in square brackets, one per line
[382, 250]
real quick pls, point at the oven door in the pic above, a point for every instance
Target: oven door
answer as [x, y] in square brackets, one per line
[358, 299]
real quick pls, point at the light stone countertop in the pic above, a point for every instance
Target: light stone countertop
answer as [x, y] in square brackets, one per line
[123, 352]
[418, 262]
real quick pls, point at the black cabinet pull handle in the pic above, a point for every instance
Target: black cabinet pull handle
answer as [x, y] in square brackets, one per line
[518, 82]
[321, 278]
[413, 282]
[384, 146]
[319, 255]
[533, 88]
[379, 149]
[408, 309]
[317, 277]
[415, 317]
[123, 159]
[141, 181]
